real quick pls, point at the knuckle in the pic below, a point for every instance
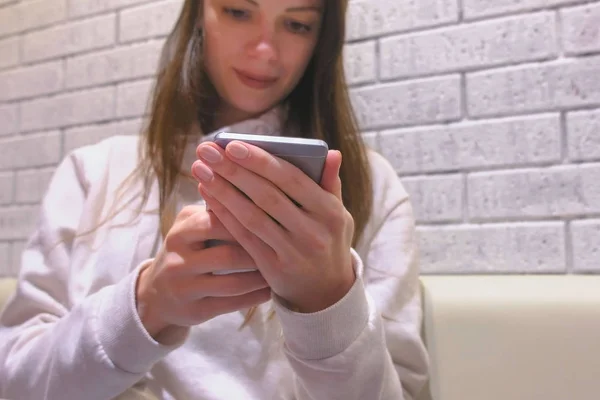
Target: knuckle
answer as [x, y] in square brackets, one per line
[269, 199]
[254, 220]
[296, 179]
[350, 223]
[198, 220]
[219, 188]
[246, 236]
[186, 212]
[266, 160]
[173, 238]
[337, 217]
[198, 226]
[230, 169]
[321, 242]
[172, 262]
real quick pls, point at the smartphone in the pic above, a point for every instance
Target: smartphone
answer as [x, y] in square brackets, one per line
[308, 155]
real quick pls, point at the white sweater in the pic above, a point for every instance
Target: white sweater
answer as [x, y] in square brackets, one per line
[72, 331]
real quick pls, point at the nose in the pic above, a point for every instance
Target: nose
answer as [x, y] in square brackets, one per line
[265, 45]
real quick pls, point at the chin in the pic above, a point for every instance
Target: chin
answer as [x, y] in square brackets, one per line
[254, 107]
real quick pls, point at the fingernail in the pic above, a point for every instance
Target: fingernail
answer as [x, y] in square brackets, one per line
[238, 150]
[203, 173]
[210, 154]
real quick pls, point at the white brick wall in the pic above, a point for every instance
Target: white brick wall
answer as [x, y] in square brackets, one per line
[488, 109]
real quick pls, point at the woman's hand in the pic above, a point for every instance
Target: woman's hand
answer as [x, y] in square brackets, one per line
[179, 290]
[302, 252]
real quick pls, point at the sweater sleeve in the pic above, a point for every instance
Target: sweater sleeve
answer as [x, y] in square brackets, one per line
[51, 349]
[368, 345]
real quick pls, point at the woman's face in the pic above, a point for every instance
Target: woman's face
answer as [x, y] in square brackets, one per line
[256, 51]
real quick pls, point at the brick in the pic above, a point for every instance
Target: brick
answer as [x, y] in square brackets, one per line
[17, 222]
[11, 20]
[70, 38]
[485, 8]
[32, 81]
[31, 14]
[5, 259]
[68, 109]
[156, 19]
[493, 248]
[8, 119]
[360, 62]
[581, 28]
[473, 144]
[123, 63]
[369, 18]
[36, 14]
[132, 98]
[482, 44]
[79, 8]
[585, 236]
[16, 251]
[9, 48]
[408, 103]
[565, 84]
[584, 135]
[436, 198]
[7, 183]
[32, 185]
[83, 136]
[30, 151]
[563, 191]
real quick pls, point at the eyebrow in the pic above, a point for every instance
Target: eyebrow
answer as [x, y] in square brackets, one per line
[306, 8]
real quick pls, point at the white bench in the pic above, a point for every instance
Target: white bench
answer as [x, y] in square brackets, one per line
[512, 337]
[505, 337]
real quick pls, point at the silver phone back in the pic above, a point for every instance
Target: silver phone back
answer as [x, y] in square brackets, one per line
[308, 155]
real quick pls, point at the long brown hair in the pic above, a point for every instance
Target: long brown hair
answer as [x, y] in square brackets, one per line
[319, 107]
[183, 100]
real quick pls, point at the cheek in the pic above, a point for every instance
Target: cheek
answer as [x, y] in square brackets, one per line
[295, 60]
[217, 51]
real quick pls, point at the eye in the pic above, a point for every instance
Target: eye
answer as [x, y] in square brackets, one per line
[237, 13]
[298, 27]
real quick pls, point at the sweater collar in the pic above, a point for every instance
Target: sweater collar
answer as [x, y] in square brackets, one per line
[268, 123]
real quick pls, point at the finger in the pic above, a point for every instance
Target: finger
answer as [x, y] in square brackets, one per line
[208, 285]
[330, 180]
[263, 193]
[289, 179]
[196, 227]
[225, 257]
[261, 253]
[211, 307]
[230, 206]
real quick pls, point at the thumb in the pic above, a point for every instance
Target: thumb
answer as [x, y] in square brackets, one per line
[330, 181]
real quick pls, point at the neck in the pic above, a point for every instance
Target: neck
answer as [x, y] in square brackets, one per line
[227, 116]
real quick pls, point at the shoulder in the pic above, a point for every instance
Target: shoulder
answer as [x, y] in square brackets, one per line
[120, 149]
[389, 197]
[388, 190]
[116, 156]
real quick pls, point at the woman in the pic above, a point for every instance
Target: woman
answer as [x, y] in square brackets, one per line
[117, 294]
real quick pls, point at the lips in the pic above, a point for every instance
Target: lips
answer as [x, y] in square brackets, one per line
[255, 81]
